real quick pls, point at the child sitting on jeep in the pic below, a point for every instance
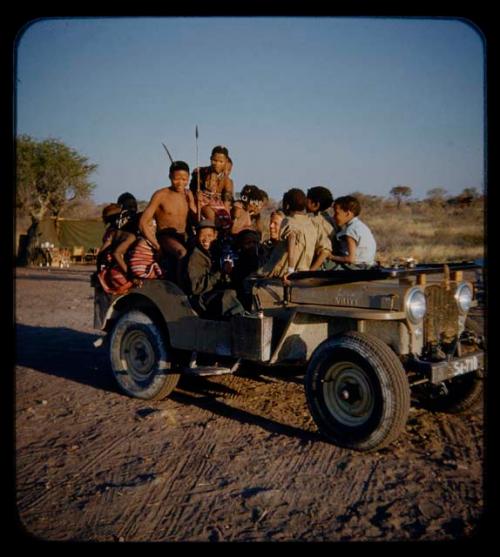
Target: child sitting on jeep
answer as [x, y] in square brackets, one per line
[170, 208]
[355, 244]
[245, 212]
[300, 247]
[319, 200]
[204, 277]
[112, 269]
[215, 195]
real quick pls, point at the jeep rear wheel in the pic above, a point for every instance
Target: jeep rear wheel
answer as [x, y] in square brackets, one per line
[357, 392]
[139, 356]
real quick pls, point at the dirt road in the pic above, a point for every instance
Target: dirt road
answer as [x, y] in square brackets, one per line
[230, 458]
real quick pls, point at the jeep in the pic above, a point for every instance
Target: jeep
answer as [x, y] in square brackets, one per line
[372, 341]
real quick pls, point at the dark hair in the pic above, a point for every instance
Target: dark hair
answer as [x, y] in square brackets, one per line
[251, 193]
[348, 203]
[127, 201]
[243, 234]
[220, 149]
[320, 195]
[178, 165]
[111, 212]
[295, 199]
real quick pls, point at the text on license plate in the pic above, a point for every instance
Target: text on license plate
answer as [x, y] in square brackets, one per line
[465, 365]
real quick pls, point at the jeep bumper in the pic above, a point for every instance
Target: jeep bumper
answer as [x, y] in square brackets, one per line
[437, 372]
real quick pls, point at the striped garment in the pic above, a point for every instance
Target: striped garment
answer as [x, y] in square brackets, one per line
[214, 200]
[112, 279]
[142, 261]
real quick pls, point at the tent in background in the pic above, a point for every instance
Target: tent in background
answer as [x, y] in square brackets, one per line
[69, 233]
[76, 236]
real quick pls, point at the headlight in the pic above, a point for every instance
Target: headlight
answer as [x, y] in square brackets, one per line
[415, 305]
[463, 296]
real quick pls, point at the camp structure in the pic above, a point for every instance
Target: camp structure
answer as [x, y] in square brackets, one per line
[68, 233]
[76, 239]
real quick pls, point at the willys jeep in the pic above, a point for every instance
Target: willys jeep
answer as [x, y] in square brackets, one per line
[372, 340]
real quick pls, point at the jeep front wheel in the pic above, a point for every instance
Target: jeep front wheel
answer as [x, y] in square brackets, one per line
[357, 391]
[462, 395]
[139, 356]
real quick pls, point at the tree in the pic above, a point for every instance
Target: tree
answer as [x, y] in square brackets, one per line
[469, 193]
[435, 196]
[436, 193]
[49, 176]
[368, 200]
[399, 192]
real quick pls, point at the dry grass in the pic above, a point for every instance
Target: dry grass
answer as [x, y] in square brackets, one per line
[425, 233]
[435, 235]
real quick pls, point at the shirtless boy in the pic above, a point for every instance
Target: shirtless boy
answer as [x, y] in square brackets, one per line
[170, 208]
[216, 187]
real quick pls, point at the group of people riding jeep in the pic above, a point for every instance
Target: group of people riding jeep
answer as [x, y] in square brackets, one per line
[197, 235]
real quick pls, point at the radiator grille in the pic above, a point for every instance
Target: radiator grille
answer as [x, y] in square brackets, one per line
[441, 319]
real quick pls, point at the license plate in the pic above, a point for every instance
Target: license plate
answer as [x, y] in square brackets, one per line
[440, 371]
[465, 365]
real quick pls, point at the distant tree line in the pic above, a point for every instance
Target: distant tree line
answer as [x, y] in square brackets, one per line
[54, 180]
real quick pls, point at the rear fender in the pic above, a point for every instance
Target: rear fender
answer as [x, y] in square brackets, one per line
[169, 305]
[159, 297]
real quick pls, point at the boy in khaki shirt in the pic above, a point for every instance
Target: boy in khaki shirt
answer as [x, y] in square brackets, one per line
[300, 246]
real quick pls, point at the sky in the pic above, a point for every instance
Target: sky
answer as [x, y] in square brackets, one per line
[353, 104]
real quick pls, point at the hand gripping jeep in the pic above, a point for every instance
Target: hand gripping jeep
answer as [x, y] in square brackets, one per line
[371, 339]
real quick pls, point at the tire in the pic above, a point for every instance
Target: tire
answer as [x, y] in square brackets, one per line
[357, 392]
[464, 395]
[140, 361]
[475, 323]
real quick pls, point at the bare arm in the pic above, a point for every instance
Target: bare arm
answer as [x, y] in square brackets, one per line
[238, 216]
[107, 243]
[292, 255]
[121, 249]
[351, 253]
[323, 248]
[292, 250]
[227, 193]
[193, 209]
[145, 223]
[318, 261]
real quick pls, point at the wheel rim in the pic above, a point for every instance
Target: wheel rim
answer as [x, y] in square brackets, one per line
[138, 355]
[348, 394]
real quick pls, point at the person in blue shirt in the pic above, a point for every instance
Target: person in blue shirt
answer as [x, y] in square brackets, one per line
[355, 246]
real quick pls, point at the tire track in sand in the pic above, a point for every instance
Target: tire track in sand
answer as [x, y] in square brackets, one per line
[149, 506]
[53, 490]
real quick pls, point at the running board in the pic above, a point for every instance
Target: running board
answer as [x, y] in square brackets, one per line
[203, 371]
[207, 370]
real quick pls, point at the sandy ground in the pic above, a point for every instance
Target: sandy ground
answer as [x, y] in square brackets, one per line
[230, 458]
